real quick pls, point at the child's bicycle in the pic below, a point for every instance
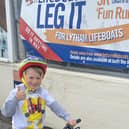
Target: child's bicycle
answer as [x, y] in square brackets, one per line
[67, 126]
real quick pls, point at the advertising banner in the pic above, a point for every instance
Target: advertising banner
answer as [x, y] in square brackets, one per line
[94, 32]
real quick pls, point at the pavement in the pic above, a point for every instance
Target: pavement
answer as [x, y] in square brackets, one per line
[5, 123]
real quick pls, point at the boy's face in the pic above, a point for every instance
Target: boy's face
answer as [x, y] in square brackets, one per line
[33, 78]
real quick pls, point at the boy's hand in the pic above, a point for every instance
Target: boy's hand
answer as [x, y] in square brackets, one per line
[72, 122]
[20, 95]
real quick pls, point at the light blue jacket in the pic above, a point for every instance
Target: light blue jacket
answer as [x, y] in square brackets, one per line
[16, 109]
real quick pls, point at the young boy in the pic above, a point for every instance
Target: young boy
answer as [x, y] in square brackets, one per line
[26, 104]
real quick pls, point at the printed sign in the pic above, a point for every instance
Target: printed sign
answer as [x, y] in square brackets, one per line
[77, 31]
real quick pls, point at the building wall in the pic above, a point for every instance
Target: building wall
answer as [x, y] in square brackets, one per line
[101, 101]
[6, 80]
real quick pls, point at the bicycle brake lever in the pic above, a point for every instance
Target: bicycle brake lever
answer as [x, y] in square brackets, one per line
[78, 121]
[68, 127]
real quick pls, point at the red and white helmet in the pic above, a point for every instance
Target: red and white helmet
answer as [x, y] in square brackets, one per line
[32, 61]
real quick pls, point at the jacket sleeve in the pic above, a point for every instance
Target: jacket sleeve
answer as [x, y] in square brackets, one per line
[59, 111]
[55, 106]
[9, 107]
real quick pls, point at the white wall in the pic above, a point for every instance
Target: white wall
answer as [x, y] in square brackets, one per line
[102, 102]
[6, 80]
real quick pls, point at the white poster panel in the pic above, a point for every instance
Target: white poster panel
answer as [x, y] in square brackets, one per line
[94, 32]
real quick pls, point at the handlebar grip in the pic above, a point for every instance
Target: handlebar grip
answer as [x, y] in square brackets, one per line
[78, 121]
[70, 127]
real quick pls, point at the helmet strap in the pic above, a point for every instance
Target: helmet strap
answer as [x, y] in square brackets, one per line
[25, 83]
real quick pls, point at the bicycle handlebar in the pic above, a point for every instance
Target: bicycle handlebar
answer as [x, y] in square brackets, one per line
[70, 127]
